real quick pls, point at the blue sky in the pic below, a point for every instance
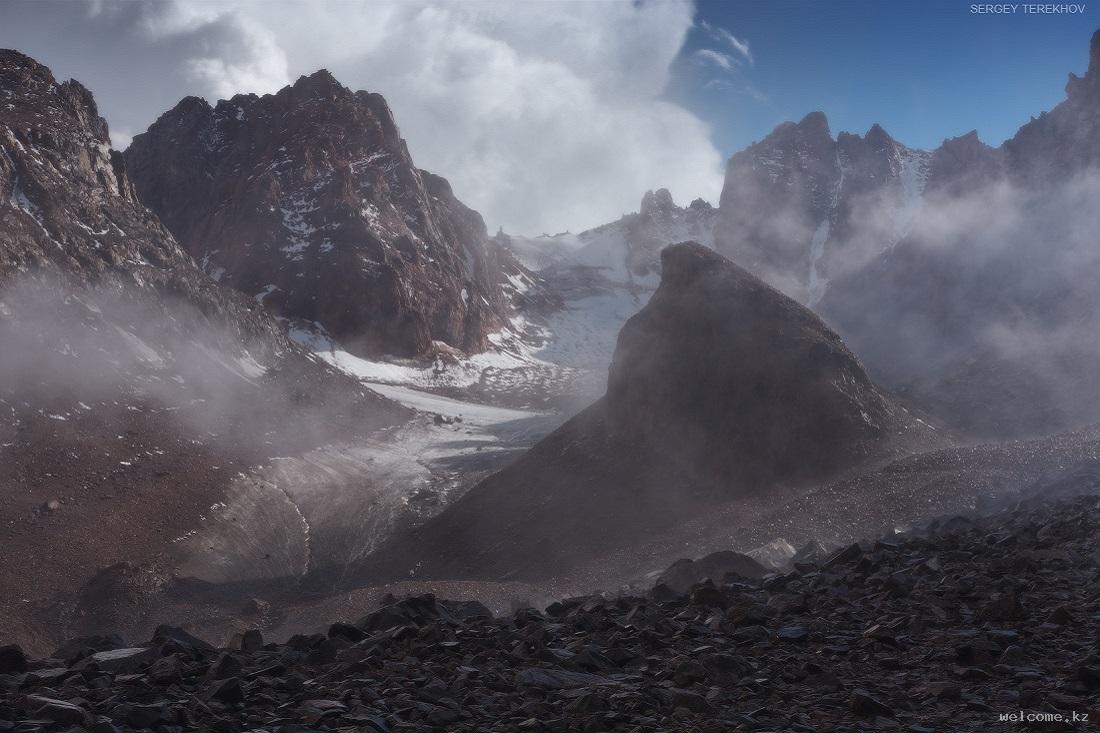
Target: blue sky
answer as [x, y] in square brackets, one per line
[923, 70]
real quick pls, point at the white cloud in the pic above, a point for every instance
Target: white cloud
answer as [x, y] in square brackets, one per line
[543, 115]
[719, 59]
[738, 45]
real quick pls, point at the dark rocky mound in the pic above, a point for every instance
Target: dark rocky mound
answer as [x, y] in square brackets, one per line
[946, 629]
[721, 388]
[308, 200]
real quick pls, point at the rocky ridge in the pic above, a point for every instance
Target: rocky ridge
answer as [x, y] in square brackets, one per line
[983, 313]
[801, 207]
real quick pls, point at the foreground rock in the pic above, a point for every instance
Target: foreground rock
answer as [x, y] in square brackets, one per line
[942, 630]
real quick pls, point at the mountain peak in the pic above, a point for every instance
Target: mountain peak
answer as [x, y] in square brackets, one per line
[1075, 85]
[319, 82]
[326, 203]
[815, 122]
[1094, 54]
[878, 136]
[655, 203]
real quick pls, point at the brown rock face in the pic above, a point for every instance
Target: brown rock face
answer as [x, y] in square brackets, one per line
[721, 388]
[68, 209]
[308, 200]
[744, 384]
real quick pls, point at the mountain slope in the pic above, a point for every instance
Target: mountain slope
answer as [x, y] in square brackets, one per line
[308, 200]
[133, 388]
[721, 388]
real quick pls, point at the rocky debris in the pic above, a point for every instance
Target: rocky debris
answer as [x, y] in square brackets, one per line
[717, 566]
[889, 635]
[12, 660]
[308, 200]
[721, 388]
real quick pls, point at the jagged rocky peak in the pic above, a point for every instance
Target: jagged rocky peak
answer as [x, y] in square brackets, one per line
[814, 125]
[657, 204]
[720, 388]
[878, 137]
[70, 211]
[309, 200]
[53, 140]
[1077, 86]
[798, 205]
[962, 164]
[1066, 140]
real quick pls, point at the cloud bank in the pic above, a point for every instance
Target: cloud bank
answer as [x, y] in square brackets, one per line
[545, 116]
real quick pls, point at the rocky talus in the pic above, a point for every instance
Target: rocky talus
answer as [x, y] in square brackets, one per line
[948, 628]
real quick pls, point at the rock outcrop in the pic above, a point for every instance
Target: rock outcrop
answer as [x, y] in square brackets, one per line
[309, 201]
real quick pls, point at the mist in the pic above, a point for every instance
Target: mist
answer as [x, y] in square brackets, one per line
[110, 347]
[994, 285]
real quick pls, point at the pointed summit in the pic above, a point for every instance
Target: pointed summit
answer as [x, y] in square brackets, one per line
[878, 137]
[331, 222]
[656, 203]
[815, 123]
[1094, 54]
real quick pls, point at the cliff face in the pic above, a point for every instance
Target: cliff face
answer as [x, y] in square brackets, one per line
[309, 201]
[69, 211]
